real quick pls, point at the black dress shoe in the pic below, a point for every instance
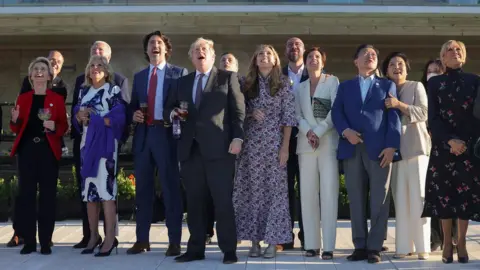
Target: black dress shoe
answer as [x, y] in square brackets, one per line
[358, 255]
[188, 257]
[287, 246]
[81, 244]
[374, 256]
[46, 250]
[230, 257]
[173, 250]
[385, 249]
[27, 249]
[15, 241]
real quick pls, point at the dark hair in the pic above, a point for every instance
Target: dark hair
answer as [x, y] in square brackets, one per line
[317, 49]
[166, 40]
[363, 47]
[389, 57]
[438, 62]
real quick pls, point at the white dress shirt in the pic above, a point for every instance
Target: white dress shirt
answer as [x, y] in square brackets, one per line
[295, 77]
[158, 114]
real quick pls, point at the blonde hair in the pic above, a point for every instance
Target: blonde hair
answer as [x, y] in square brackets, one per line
[45, 61]
[447, 46]
[107, 48]
[274, 79]
[235, 61]
[197, 42]
[109, 74]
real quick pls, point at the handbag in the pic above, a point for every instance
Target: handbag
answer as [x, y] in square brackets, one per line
[321, 107]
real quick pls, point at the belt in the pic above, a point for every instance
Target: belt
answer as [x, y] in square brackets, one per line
[38, 139]
[157, 123]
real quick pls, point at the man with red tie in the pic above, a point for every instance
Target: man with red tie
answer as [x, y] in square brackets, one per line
[153, 144]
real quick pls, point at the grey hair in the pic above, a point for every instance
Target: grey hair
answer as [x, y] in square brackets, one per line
[197, 42]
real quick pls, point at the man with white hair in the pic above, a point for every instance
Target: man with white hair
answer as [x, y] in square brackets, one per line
[98, 48]
[211, 136]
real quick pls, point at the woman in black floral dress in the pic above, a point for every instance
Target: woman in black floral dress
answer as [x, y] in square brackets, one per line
[453, 177]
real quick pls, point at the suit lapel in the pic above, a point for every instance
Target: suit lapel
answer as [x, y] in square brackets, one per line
[166, 80]
[371, 89]
[210, 81]
[304, 74]
[358, 90]
[144, 94]
[306, 103]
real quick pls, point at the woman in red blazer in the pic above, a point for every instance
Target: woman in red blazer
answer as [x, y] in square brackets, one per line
[39, 120]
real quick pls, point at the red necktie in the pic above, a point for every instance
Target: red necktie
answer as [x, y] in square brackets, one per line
[152, 92]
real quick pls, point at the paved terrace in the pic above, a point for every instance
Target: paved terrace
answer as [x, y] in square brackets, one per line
[69, 232]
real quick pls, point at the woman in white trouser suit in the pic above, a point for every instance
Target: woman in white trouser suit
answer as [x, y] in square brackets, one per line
[412, 232]
[316, 149]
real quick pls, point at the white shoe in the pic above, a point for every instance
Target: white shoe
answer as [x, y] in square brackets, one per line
[423, 255]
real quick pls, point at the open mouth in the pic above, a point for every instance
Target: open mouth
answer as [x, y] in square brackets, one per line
[39, 76]
[156, 51]
[201, 58]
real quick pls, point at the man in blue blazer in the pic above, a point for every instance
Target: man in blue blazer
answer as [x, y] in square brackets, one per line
[98, 48]
[153, 144]
[370, 136]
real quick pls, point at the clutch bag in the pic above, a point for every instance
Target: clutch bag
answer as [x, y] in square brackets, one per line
[321, 107]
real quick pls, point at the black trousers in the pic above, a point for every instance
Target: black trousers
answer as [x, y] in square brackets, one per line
[293, 172]
[210, 216]
[201, 177]
[36, 165]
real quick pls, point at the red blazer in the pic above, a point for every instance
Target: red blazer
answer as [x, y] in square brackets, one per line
[56, 104]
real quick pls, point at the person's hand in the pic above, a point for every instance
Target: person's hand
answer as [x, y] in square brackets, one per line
[352, 136]
[283, 155]
[387, 156]
[258, 115]
[49, 124]
[83, 115]
[391, 102]
[313, 139]
[457, 147]
[138, 117]
[15, 112]
[235, 147]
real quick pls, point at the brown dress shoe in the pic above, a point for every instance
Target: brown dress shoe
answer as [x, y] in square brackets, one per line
[173, 250]
[138, 247]
[15, 241]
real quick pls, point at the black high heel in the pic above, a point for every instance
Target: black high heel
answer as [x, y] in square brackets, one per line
[448, 259]
[462, 259]
[107, 253]
[90, 250]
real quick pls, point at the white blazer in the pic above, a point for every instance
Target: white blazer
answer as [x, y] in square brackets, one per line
[322, 127]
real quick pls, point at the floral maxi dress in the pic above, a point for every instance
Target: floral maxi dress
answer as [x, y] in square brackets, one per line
[260, 195]
[452, 188]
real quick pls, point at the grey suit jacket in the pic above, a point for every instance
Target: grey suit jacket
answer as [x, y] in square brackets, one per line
[218, 120]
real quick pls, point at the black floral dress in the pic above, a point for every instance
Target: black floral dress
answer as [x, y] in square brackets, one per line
[452, 189]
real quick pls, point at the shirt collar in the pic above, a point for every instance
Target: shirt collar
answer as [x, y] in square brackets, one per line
[206, 73]
[160, 67]
[300, 70]
[371, 77]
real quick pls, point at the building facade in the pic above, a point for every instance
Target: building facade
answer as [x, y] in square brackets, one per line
[418, 27]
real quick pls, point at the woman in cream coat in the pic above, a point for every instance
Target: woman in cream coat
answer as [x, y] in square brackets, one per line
[316, 149]
[412, 232]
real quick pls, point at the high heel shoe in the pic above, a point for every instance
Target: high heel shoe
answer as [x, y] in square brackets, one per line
[107, 253]
[90, 250]
[463, 259]
[448, 259]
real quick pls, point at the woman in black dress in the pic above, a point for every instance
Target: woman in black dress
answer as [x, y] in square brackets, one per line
[453, 178]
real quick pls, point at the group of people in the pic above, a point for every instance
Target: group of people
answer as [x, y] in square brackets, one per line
[246, 142]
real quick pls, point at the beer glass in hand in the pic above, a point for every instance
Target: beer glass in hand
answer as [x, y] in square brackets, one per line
[44, 114]
[183, 111]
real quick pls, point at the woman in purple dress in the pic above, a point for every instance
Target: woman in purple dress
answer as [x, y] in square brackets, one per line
[260, 194]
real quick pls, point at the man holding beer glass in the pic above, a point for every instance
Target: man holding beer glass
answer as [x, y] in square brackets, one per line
[153, 144]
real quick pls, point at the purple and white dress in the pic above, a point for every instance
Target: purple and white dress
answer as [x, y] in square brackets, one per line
[260, 194]
[99, 144]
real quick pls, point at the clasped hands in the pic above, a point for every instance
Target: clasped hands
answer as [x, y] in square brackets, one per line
[313, 139]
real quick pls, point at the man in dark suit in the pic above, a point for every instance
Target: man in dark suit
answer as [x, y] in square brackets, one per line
[212, 134]
[98, 48]
[154, 145]
[370, 136]
[297, 73]
[59, 87]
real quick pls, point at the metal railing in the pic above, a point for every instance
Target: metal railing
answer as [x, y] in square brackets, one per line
[11, 3]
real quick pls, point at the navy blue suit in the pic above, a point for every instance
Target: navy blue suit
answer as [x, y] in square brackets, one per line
[364, 177]
[154, 147]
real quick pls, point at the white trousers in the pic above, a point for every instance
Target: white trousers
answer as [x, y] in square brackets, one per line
[319, 196]
[412, 233]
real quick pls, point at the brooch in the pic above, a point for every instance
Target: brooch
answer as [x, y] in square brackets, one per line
[51, 105]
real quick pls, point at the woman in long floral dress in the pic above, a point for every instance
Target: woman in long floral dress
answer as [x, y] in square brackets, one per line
[100, 117]
[260, 194]
[453, 177]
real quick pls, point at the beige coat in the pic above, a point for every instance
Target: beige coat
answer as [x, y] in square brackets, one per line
[415, 140]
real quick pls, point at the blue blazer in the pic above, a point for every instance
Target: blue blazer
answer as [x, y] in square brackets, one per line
[380, 128]
[140, 95]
